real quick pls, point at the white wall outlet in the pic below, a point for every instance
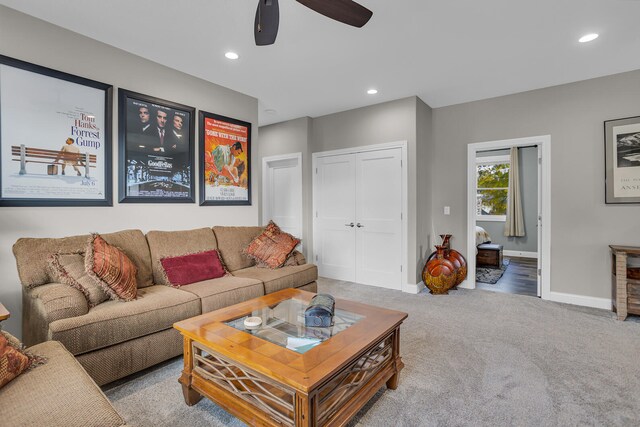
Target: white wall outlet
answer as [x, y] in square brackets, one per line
[447, 210]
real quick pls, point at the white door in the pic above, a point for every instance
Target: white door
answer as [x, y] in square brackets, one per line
[282, 192]
[334, 236]
[358, 217]
[378, 218]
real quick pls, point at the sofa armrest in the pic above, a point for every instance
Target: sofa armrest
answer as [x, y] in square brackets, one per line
[298, 257]
[48, 303]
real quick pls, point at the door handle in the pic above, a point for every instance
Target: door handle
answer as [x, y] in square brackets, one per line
[349, 225]
[359, 225]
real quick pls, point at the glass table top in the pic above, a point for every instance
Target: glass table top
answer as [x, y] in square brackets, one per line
[283, 324]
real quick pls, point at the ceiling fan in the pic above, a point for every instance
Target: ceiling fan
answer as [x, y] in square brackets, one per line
[268, 16]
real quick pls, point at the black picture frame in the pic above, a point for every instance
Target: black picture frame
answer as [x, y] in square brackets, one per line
[622, 160]
[41, 111]
[155, 168]
[220, 187]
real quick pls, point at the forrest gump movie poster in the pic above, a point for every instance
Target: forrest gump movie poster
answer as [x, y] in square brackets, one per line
[53, 137]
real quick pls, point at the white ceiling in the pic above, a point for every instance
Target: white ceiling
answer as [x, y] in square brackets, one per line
[444, 51]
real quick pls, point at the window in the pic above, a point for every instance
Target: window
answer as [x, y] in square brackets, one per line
[492, 178]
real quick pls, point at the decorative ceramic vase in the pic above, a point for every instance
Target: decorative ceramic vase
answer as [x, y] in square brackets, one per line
[455, 257]
[439, 274]
[461, 264]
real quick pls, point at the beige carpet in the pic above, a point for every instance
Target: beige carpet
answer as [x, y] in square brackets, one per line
[474, 358]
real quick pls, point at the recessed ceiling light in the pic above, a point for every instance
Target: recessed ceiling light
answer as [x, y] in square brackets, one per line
[232, 55]
[372, 91]
[270, 111]
[588, 37]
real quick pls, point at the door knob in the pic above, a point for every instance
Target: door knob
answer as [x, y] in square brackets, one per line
[359, 225]
[349, 225]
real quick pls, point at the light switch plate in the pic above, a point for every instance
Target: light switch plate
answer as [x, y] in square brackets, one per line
[447, 210]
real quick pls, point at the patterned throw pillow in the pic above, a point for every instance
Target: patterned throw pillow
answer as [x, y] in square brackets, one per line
[14, 360]
[271, 247]
[69, 269]
[192, 268]
[111, 268]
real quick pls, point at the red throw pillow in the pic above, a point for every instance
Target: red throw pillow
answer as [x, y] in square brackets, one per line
[192, 268]
[112, 269]
[272, 246]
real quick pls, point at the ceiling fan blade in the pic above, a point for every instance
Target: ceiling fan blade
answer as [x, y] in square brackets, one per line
[345, 11]
[265, 28]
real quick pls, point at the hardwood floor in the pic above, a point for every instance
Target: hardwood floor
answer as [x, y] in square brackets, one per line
[520, 278]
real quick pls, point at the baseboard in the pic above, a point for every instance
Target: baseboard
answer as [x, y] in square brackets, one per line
[413, 288]
[521, 254]
[603, 303]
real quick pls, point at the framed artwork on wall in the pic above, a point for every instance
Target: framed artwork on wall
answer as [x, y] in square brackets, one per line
[156, 150]
[225, 161]
[622, 160]
[55, 137]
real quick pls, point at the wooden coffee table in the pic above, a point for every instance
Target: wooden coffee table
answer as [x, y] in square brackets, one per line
[323, 378]
[4, 313]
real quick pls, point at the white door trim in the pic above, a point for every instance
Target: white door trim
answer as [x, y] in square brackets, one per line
[406, 284]
[544, 247]
[266, 161]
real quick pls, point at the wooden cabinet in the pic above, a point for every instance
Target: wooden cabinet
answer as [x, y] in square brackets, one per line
[625, 292]
[4, 313]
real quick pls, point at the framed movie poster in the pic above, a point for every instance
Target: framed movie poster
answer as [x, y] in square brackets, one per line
[225, 161]
[55, 137]
[156, 144]
[622, 160]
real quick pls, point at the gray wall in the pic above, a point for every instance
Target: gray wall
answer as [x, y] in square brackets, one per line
[292, 136]
[528, 162]
[582, 226]
[424, 187]
[30, 39]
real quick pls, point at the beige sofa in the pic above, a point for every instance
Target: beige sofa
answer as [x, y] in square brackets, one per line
[115, 339]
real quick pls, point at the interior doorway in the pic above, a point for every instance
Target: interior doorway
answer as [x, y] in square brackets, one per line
[514, 265]
[282, 193]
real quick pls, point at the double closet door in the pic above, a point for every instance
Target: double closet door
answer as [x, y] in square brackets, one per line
[358, 217]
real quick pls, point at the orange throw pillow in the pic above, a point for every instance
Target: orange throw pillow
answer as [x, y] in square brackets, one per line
[112, 269]
[14, 360]
[272, 246]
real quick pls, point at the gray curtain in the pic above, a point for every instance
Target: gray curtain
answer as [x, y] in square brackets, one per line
[514, 225]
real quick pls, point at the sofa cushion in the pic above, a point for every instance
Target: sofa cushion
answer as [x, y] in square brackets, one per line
[164, 244]
[225, 291]
[112, 269]
[272, 247]
[71, 271]
[281, 278]
[192, 268]
[59, 393]
[231, 242]
[157, 308]
[32, 255]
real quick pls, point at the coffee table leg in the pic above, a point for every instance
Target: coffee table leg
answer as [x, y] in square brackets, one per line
[191, 397]
[305, 410]
[392, 383]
